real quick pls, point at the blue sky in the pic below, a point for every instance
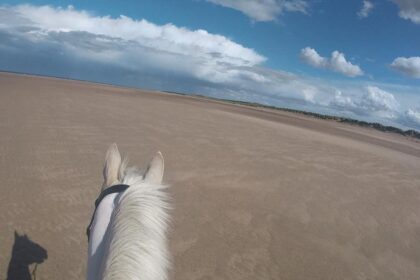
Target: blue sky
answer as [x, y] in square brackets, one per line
[358, 59]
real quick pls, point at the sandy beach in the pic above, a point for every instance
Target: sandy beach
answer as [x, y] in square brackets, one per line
[257, 193]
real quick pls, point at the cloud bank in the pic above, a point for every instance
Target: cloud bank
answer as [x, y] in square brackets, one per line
[373, 101]
[336, 63]
[165, 38]
[76, 44]
[413, 116]
[264, 10]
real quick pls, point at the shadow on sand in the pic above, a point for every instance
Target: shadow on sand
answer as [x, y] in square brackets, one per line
[24, 253]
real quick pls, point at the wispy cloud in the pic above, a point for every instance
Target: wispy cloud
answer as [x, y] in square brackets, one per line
[264, 10]
[366, 9]
[336, 63]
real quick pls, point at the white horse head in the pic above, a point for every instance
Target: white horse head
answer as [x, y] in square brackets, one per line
[127, 234]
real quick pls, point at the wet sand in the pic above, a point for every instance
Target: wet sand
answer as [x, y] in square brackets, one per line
[257, 193]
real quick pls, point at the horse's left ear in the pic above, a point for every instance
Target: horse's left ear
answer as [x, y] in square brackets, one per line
[154, 172]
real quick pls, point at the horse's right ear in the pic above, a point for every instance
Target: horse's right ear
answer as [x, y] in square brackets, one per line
[16, 234]
[112, 166]
[154, 172]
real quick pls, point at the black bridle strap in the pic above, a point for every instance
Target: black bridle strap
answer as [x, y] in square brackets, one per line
[113, 189]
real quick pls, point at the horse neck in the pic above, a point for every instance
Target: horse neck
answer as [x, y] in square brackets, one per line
[18, 270]
[99, 232]
[135, 243]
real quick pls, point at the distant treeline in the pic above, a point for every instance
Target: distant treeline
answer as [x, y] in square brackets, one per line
[377, 126]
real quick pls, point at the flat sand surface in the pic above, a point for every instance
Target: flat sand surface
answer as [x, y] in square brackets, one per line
[257, 193]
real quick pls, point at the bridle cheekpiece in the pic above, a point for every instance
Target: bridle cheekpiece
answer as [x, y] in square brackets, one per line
[120, 188]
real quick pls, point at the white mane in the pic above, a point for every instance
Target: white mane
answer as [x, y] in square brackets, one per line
[128, 234]
[136, 237]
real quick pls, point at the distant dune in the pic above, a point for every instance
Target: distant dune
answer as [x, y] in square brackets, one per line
[258, 193]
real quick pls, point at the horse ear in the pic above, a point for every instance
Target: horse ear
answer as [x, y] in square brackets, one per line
[16, 234]
[154, 172]
[112, 166]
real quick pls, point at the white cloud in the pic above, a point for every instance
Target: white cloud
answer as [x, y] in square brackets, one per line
[413, 116]
[373, 102]
[409, 9]
[165, 38]
[311, 57]
[342, 101]
[409, 66]
[366, 9]
[264, 10]
[337, 62]
[378, 100]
